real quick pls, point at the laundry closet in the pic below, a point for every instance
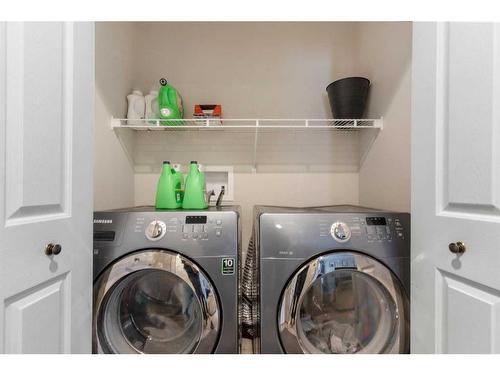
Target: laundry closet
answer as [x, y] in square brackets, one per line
[325, 264]
[257, 72]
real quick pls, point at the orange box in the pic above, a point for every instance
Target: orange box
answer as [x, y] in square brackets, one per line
[207, 110]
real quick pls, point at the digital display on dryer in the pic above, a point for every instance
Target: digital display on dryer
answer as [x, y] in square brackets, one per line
[196, 219]
[376, 221]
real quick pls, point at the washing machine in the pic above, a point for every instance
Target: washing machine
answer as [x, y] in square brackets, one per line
[333, 280]
[166, 281]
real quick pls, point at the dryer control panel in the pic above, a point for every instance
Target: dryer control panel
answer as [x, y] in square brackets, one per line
[302, 234]
[380, 228]
[370, 228]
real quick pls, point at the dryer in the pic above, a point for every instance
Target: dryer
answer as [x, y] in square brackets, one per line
[166, 281]
[333, 280]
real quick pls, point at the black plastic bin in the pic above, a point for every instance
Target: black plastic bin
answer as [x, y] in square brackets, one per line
[348, 97]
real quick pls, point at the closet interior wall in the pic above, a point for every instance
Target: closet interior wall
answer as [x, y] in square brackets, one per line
[384, 54]
[115, 69]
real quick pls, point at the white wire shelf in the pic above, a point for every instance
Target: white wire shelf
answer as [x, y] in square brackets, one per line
[267, 145]
[245, 124]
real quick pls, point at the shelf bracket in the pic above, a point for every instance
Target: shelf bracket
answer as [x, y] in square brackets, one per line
[380, 123]
[255, 144]
[115, 123]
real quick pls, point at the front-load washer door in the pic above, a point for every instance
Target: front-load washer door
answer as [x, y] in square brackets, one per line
[344, 303]
[155, 301]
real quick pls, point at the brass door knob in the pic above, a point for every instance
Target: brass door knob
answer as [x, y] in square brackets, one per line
[52, 249]
[457, 247]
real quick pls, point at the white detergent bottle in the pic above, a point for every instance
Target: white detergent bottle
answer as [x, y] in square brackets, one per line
[152, 109]
[136, 107]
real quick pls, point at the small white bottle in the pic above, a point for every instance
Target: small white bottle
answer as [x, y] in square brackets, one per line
[152, 109]
[136, 107]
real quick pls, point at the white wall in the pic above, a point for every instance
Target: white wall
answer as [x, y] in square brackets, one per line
[255, 70]
[114, 55]
[384, 56]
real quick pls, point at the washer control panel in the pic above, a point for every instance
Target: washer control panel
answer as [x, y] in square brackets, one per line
[340, 232]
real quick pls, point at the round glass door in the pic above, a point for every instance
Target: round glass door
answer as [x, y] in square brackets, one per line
[166, 306]
[343, 304]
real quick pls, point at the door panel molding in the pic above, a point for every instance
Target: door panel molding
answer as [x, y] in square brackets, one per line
[44, 60]
[39, 312]
[471, 212]
[467, 185]
[467, 314]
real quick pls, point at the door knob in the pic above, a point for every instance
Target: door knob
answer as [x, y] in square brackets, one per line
[52, 249]
[457, 248]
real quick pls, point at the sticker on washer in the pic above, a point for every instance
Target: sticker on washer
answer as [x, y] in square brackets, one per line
[228, 266]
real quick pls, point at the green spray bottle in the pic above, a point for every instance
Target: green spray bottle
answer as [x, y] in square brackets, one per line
[195, 189]
[169, 190]
[169, 104]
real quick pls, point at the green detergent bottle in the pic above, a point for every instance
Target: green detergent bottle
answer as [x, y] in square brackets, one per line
[195, 189]
[169, 104]
[169, 190]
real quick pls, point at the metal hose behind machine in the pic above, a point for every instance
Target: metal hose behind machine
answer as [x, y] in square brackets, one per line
[249, 290]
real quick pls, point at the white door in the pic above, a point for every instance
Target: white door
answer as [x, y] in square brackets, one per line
[456, 188]
[46, 116]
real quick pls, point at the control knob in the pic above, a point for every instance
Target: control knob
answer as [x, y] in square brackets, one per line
[155, 230]
[340, 232]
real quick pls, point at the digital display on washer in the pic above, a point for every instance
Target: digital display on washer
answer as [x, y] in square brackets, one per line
[196, 219]
[376, 221]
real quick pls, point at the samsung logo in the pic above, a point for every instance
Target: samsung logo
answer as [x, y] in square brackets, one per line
[285, 252]
[103, 221]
